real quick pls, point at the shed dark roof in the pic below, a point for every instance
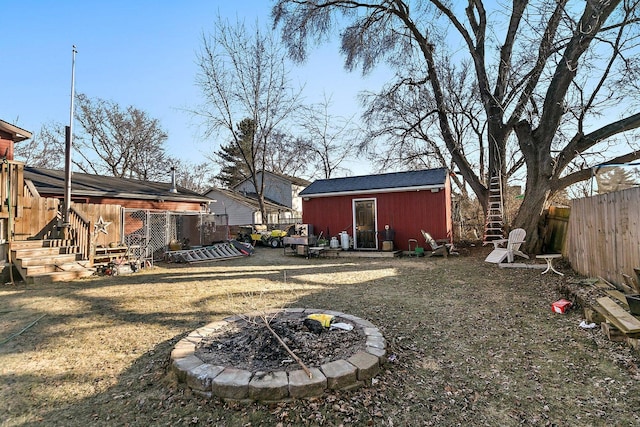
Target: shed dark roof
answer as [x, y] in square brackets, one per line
[395, 181]
[49, 181]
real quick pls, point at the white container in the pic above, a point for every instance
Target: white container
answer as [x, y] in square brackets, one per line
[334, 244]
[344, 239]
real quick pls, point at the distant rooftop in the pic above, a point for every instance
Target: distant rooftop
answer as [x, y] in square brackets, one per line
[294, 180]
[49, 181]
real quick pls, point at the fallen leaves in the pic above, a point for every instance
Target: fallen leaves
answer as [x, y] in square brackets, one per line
[469, 344]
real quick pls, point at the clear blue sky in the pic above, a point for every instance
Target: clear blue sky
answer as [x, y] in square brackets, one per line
[140, 53]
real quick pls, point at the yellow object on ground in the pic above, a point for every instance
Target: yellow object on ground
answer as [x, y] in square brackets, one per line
[325, 319]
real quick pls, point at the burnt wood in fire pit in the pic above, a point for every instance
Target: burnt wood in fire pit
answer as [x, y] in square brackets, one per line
[239, 359]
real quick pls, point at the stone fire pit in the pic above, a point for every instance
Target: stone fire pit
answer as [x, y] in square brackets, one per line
[354, 367]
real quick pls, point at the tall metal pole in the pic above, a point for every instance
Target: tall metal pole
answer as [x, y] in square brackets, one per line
[68, 146]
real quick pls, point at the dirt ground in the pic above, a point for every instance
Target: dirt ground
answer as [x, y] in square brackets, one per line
[469, 344]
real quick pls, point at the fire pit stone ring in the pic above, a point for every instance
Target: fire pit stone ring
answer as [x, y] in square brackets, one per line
[231, 383]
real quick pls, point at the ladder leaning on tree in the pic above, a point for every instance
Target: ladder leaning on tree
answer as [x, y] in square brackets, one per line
[494, 220]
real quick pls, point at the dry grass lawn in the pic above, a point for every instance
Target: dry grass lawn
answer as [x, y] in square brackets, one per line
[469, 344]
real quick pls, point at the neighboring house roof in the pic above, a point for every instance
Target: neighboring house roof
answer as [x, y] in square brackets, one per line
[292, 179]
[18, 134]
[250, 200]
[49, 181]
[388, 182]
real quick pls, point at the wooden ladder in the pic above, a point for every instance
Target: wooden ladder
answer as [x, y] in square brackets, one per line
[494, 221]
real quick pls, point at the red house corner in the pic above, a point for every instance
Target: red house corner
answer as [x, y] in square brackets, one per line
[9, 134]
[363, 205]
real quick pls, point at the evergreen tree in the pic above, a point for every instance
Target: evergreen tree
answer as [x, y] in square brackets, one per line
[234, 158]
[615, 179]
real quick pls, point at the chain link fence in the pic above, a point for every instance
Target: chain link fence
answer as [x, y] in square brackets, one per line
[154, 232]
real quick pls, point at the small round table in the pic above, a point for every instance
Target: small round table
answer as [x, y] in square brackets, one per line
[549, 258]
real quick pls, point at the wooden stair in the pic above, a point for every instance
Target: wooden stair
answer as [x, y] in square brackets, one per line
[45, 261]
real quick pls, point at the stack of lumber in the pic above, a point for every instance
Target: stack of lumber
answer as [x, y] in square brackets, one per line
[606, 304]
[619, 324]
[617, 316]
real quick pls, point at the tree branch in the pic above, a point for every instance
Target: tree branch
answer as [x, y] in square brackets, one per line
[566, 70]
[585, 174]
[581, 143]
[286, 347]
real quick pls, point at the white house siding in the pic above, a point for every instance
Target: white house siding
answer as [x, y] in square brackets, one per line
[238, 213]
[296, 200]
[275, 188]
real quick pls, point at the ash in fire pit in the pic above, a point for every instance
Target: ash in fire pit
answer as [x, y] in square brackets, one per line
[240, 358]
[248, 344]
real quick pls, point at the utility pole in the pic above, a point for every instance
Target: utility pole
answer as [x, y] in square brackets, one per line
[67, 150]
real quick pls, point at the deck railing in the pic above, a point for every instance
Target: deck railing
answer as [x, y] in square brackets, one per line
[80, 230]
[11, 188]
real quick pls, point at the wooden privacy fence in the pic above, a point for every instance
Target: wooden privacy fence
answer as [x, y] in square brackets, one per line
[603, 236]
[39, 218]
[111, 214]
[556, 223]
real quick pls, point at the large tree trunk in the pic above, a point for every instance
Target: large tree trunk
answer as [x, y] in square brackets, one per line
[528, 216]
[538, 186]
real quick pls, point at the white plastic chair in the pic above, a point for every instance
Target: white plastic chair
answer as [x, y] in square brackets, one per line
[511, 247]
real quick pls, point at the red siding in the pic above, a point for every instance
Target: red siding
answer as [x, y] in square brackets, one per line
[6, 146]
[405, 212]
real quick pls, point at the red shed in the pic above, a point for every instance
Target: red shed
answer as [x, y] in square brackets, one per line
[406, 202]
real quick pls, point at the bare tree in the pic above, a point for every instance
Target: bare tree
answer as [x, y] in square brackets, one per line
[284, 154]
[194, 177]
[122, 143]
[403, 130]
[556, 81]
[243, 75]
[45, 149]
[288, 155]
[330, 139]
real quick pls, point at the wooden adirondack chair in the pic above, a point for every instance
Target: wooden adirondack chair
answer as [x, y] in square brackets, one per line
[508, 248]
[438, 249]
